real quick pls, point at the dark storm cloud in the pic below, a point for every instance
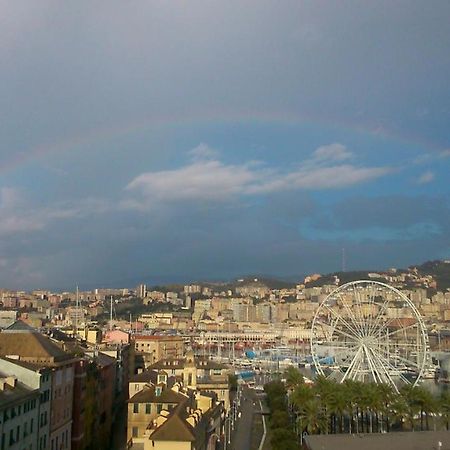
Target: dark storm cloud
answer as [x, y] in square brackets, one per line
[98, 101]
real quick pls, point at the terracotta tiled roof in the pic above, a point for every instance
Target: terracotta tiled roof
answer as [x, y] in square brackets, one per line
[31, 345]
[146, 376]
[174, 429]
[167, 395]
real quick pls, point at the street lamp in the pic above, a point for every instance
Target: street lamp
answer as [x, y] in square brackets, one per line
[227, 440]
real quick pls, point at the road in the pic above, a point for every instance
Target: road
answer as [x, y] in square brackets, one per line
[242, 438]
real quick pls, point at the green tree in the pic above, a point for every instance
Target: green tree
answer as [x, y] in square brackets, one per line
[444, 408]
[293, 377]
[312, 418]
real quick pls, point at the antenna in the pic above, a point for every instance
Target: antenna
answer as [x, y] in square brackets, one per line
[110, 314]
[343, 259]
[76, 314]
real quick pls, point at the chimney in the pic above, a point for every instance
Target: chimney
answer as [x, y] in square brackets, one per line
[8, 381]
[11, 381]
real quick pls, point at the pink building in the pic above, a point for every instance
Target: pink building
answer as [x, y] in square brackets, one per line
[116, 337]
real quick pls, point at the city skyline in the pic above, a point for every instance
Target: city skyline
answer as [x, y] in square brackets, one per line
[219, 140]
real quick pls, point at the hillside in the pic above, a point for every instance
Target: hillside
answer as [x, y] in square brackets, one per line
[439, 270]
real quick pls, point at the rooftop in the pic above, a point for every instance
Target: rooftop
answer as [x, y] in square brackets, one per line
[420, 440]
[167, 395]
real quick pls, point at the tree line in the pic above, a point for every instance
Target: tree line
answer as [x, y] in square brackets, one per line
[327, 406]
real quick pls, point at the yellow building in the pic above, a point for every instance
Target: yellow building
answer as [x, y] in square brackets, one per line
[193, 424]
[198, 373]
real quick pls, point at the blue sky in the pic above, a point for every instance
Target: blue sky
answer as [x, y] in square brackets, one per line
[171, 141]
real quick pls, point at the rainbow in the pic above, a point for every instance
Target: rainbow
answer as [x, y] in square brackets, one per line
[250, 117]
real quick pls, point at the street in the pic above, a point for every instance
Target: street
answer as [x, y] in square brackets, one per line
[244, 436]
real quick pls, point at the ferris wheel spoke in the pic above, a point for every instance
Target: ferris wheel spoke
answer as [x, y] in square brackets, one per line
[372, 308]
[401, 358]
[334, 329]
[365, 312]
[408, 327]
[370, 363]
[359, 308]
[352, 364]
[395, 369]
[380, 313]
[352, 316]
[340, 318]
[386, 372]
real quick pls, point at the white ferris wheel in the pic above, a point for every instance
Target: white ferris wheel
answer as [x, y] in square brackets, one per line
[369, 331]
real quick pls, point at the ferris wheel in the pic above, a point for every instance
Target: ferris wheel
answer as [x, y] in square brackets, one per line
[369, 331]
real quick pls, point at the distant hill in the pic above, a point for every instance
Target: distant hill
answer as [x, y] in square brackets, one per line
[344, 277]
[440, 270]
[271, 283]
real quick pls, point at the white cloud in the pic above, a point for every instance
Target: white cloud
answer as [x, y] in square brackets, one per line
[202, 180]
[426, 177]
[214, 180]
[202, 152]
[332, 152]
[318, 178]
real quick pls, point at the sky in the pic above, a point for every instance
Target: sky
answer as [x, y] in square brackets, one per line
[154, 141]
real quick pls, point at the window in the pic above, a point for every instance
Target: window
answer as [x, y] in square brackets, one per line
[158, 407]
[148, 408]
[135, 432]
[135, 408]
[58, 379]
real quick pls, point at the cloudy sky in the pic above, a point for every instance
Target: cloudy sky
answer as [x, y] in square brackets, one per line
[157, 141]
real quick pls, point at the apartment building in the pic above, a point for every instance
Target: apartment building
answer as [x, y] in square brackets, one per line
[19, 413]
[151, 348]
[34, 379]
[25, 344]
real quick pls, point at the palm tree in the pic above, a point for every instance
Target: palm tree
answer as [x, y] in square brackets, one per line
[444, 408]
[311, 417]
[323, 389]
[398, 410]
[412, 404]
[427, 404]
[338, 404]
[351, 389]
[293, 377]
[386, 396]
[301, 394]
